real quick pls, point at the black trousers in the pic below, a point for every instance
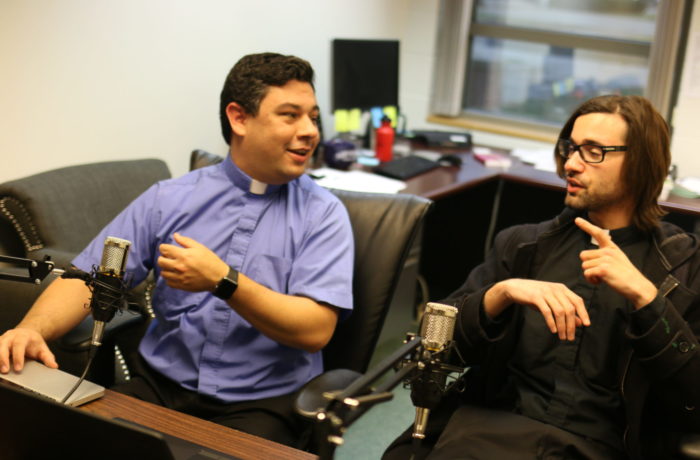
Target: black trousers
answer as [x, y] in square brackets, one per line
[270, 418]
[484, 434]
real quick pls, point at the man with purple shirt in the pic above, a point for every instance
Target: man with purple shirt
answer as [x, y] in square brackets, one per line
[253, 263]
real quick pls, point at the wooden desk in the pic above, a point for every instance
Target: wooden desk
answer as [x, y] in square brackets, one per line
[443, 182]
[193, 429]
[473, 203]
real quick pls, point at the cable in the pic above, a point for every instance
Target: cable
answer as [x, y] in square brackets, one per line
[106, 299]
[91, 354]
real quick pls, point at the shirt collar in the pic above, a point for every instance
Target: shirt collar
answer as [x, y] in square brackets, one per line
[621, 236]
[245, 182]
[627, 235]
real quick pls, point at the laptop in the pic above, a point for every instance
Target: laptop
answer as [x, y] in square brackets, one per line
[36, 427]
[54, 384]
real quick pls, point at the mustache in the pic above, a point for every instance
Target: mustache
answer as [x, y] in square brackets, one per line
[571, 178]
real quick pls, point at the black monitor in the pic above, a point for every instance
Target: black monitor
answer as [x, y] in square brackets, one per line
[365, 73]
[35, 427]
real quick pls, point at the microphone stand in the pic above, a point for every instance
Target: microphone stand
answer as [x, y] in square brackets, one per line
[37, 270]
[348, 405]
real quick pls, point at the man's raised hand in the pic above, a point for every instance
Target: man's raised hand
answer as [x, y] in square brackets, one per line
[610, 265]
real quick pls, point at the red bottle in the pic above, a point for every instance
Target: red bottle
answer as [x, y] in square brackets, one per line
[384, 141]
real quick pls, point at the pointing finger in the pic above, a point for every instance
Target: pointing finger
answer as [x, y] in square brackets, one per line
[600, 235]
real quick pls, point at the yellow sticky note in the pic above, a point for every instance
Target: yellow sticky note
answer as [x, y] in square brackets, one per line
[341, 121]
[390, 111]
[354, 118]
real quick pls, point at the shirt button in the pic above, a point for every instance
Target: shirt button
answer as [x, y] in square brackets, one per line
[683, 347]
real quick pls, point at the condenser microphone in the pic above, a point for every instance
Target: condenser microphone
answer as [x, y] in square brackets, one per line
[108, 292]
[437, 330]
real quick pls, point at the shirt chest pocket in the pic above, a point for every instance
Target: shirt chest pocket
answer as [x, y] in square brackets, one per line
[271, 271]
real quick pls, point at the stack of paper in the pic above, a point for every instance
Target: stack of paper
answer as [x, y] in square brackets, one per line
[541, 159]
[358, 181]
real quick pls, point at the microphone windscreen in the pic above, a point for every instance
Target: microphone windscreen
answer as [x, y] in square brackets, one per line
[437, 328]
[114, 255]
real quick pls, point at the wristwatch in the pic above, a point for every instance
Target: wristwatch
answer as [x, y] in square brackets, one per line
[228, 284]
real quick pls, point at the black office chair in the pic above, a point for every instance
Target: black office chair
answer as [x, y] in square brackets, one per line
[57, 213]
[384, 227]
[200, 158]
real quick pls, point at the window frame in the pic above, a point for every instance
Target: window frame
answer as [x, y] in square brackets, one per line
[455, 32]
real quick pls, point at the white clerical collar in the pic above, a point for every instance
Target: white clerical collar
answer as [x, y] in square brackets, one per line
[257, 187]
[594, 242]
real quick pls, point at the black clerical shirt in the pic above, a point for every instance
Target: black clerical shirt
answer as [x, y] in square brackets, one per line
[575, 385]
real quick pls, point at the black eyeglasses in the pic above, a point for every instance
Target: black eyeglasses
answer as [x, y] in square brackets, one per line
[590, 153]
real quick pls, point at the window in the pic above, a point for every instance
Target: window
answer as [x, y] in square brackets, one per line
[522, 66]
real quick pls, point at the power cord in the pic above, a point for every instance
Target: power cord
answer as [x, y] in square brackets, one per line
[91, 354]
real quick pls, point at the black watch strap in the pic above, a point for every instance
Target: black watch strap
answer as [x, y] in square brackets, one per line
[228, 284]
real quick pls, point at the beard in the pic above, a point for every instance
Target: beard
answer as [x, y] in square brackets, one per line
[595, 200]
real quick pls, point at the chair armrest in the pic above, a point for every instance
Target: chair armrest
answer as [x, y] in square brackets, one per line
[310, 400]
[73, 349]
[78, 339]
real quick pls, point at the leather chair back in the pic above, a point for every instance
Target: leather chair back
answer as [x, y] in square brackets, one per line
[384, 227]
[63, 209]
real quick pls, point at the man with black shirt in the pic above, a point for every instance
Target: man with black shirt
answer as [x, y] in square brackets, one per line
[581, 332]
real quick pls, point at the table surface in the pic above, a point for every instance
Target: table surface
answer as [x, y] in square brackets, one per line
[448, 180]
[208, 434]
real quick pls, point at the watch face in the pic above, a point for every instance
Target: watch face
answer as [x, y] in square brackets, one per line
[227, 286]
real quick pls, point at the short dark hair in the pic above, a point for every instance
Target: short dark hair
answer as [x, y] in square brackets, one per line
[249, 79]
[648, 156]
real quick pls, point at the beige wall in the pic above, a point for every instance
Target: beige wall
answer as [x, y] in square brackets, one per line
[94, 80]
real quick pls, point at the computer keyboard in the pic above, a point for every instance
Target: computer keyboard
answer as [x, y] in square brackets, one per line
[406, 167]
